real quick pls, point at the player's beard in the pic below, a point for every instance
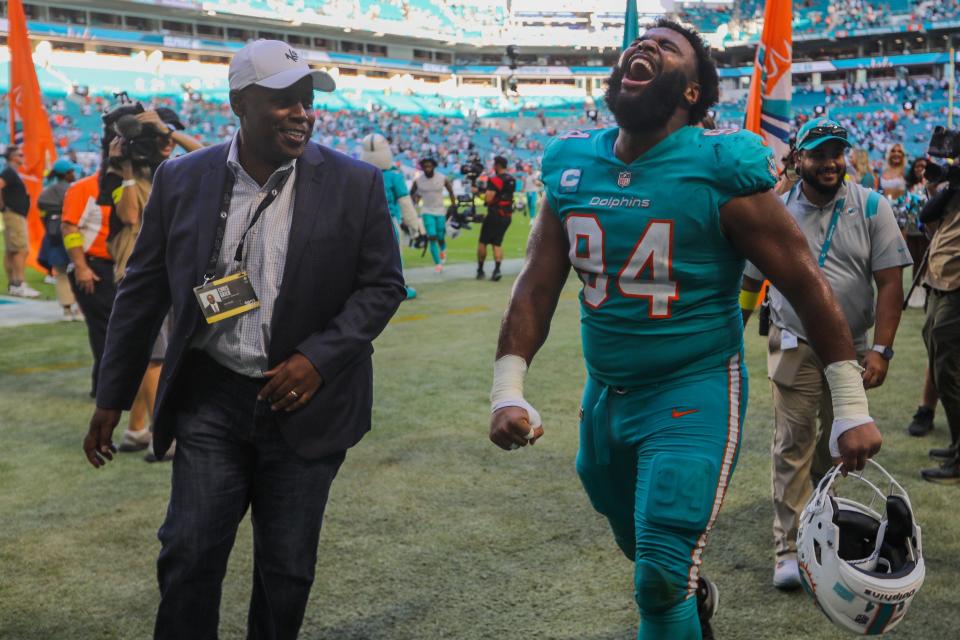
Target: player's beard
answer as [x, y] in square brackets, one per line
[652, 108]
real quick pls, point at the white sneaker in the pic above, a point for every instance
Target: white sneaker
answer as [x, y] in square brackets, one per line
[48, 279]
[135, 440]
[786, 574]
[918, 298]
[23, 291]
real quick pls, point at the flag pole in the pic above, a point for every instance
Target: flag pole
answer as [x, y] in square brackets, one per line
[631, 24]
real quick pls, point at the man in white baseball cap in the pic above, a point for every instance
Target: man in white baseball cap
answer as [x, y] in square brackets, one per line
[265, 395]
[275, 65]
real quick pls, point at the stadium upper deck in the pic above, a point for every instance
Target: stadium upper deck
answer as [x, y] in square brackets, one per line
[455, 31]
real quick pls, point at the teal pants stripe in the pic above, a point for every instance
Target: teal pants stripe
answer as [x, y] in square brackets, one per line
[671, 452]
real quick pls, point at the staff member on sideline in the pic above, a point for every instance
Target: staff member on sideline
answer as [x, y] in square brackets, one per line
[499, 200]
[264, 401]
[853, 234]
[52, 255]
[15, 204]
[86, 228]
[941, 331]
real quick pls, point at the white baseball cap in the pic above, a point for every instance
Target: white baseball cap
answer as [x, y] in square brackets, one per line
[275, 65]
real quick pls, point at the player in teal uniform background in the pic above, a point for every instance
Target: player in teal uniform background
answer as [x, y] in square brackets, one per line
[656, 217]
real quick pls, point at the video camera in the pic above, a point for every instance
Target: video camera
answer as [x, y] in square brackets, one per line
[944, 143]
[472, 168]
[459, 218]
[138, 141]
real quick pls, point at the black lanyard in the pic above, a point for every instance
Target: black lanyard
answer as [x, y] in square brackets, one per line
[225, 200]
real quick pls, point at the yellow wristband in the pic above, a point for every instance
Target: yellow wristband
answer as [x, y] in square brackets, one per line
[749, 299]
[72, 241]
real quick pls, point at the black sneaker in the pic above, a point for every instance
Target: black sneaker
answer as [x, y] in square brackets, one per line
[922, 422]
[495, 276]
[946, 473]
[946, 453]
[480, 274]
[708, 600]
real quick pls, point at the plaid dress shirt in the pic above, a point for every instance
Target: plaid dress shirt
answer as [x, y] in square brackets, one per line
[241, 343]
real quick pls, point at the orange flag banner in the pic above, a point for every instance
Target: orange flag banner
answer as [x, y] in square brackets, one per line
[29, 124]
[768, 104]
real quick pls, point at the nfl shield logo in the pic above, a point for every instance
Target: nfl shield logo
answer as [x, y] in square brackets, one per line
[623, 180]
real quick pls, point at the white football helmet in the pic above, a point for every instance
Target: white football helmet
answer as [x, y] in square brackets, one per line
[862, 568]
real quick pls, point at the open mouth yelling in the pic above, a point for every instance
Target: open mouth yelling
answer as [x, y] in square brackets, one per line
[641, 70]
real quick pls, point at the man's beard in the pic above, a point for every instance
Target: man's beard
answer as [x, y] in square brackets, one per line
[811, 178]
[652, 108]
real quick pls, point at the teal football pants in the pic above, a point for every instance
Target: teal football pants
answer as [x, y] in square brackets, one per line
[532, 204]
[436, 227]
[657, 461]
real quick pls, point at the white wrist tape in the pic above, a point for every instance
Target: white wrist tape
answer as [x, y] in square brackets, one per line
[508, 374]
[850, 409]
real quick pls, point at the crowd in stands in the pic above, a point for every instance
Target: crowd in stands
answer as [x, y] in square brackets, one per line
[877, 115]
[444, 17]
[456, 18]
[745, 17]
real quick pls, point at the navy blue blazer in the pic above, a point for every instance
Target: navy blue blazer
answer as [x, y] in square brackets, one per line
[342, 282]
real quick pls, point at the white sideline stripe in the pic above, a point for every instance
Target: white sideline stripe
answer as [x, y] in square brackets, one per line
[723, 481]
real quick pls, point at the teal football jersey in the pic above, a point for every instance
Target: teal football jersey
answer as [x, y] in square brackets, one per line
[395, 188]
[660, 280]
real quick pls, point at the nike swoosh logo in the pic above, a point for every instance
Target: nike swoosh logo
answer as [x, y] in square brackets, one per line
[679, 414]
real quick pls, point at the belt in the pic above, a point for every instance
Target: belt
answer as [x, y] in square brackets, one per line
[200, 362]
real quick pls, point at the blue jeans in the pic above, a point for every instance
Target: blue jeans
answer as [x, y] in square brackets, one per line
[231, 456]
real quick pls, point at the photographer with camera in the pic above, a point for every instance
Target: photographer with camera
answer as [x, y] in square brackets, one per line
[852, 233]
[498, 196]
[136, 141]
[941, 331]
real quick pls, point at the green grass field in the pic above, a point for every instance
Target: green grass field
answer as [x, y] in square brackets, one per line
[464, 247]
[431, 531]
[461, 249]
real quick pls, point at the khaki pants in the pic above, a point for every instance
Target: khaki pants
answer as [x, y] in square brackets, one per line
[15, 232]
[803, 416]
[941, 333]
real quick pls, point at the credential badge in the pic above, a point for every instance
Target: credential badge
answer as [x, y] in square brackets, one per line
[623, 180]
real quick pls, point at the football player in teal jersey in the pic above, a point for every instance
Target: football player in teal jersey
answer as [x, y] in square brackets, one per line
[656, 217]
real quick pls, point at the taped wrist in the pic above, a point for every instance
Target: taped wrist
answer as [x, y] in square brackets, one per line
[508, 374]
[850, 408]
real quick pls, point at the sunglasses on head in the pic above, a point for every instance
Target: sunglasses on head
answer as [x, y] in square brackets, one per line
[823, 131]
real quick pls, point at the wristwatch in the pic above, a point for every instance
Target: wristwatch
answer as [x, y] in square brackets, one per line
[883, 350]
